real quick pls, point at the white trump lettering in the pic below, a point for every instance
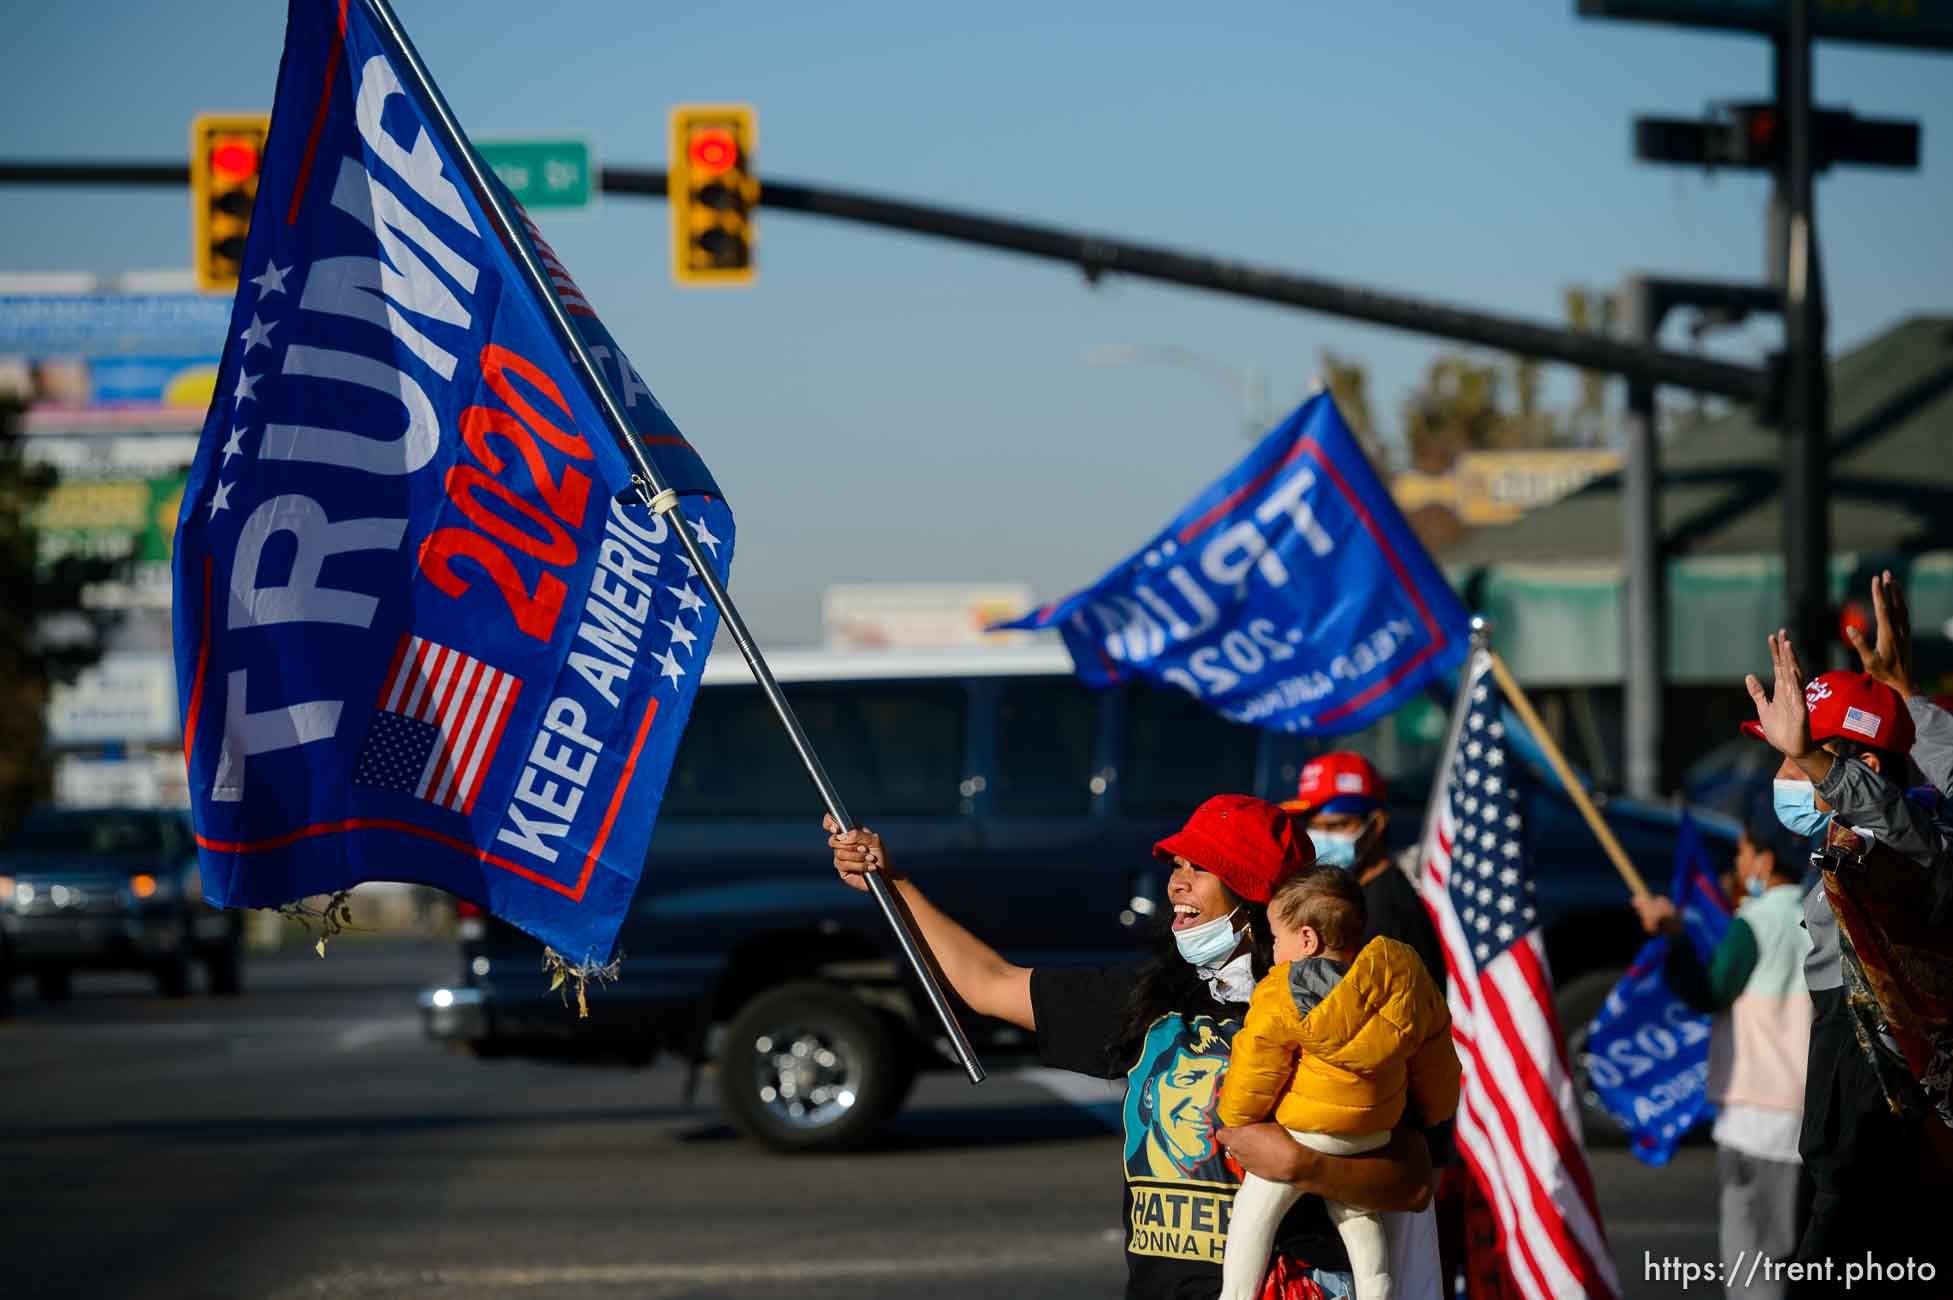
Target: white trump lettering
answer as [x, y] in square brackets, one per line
[367, 289]
[414, 446]
[301, 599]
[1287, 499]
[247, 733]
[421, 168]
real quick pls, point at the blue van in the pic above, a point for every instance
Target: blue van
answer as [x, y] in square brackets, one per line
[1025, 805]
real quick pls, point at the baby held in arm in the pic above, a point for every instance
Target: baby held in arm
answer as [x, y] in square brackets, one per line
[1336, 1042]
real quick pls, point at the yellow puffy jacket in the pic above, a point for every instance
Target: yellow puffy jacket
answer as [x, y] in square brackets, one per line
[1382, 1035]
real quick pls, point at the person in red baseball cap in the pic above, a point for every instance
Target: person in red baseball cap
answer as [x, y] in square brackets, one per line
[1166, 1025]
[1343, 800]
[1875, 1123]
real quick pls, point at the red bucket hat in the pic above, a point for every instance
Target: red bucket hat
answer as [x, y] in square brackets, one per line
[1251, 844]
[1854, 706]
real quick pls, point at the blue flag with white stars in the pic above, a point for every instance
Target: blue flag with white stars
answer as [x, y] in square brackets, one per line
[1291, 594]
[423, 630]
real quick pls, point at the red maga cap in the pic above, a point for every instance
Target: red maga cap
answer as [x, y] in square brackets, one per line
[1251, 844]
[1342, 781]
[1854, 706]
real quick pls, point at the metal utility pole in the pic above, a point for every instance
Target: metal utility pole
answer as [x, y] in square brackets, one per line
[1641, 624]
[1807, 523]
[1647, 300]
[1793, 140]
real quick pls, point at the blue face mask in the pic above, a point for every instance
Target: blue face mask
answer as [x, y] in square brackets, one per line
[1334, 848]
[1756, 886]
[1207, 943]
[1796, 804]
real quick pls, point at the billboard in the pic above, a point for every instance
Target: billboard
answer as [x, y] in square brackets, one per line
[116, 386]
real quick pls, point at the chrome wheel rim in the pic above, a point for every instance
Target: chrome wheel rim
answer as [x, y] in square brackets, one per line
[806, 1078]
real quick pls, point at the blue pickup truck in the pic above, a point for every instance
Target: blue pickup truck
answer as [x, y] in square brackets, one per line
[110, 889]
[1024, 803]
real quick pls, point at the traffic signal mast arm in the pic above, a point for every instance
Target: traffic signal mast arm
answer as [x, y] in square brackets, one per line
[1096, 255]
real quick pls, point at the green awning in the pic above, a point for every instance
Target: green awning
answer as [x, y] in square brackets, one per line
[1561, 624]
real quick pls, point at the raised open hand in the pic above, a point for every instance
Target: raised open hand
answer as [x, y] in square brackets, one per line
[1783, 714]
[1888, 658]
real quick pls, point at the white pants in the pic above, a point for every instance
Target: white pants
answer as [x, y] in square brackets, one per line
[1258, 1210]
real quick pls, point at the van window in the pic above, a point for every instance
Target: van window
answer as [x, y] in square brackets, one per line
[1176, 752]
[892, 749]
[1046, 733]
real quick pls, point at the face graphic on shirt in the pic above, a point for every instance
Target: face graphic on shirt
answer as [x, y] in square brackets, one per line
[1174, 1092]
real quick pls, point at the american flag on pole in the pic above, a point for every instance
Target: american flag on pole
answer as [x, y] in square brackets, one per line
[441, 716]
[1517, 1125]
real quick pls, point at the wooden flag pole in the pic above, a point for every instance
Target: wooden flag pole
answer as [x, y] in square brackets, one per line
[1562, 769]
[659, 496]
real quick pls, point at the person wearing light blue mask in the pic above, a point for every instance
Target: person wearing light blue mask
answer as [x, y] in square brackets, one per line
[1795, 802]
[1852, 738]
[1344, 801]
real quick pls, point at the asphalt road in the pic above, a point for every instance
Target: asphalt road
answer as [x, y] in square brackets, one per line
[304, 1141]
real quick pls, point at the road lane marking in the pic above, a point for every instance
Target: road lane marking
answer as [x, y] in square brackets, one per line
[296, 1033]
[371, 1033]
[1092, 1251]
[1102, 1099]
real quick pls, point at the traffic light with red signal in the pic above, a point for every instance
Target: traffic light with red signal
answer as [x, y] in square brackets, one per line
[226, 157]
[1755, 135]
[713, 189]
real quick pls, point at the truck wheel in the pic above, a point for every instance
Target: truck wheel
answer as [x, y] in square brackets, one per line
[1577, 1004]
[806, 1067]
[224, 969]
[173, 967]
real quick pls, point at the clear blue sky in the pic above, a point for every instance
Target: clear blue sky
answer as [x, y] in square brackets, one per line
[886, 407]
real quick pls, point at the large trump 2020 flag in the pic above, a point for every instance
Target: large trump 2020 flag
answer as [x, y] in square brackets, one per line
[418, 635]
[1290, 594]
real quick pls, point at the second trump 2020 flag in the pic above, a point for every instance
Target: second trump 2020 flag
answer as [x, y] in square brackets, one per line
[1291, 594]
[1647, 1053]
[418, 636]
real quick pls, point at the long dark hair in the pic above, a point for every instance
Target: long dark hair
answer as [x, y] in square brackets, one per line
[1168, 983]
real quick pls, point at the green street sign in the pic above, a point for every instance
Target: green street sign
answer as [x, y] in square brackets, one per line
[543, 173]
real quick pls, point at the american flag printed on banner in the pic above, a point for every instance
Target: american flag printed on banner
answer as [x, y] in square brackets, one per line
[441, 717]
[1517, 1125]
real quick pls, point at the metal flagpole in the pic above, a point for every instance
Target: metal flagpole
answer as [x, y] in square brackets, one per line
[662, 499]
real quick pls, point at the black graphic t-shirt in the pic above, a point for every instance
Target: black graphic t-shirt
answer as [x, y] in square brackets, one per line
[1178, 1189]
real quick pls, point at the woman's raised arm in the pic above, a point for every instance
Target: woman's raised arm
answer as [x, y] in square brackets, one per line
[978, 972]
